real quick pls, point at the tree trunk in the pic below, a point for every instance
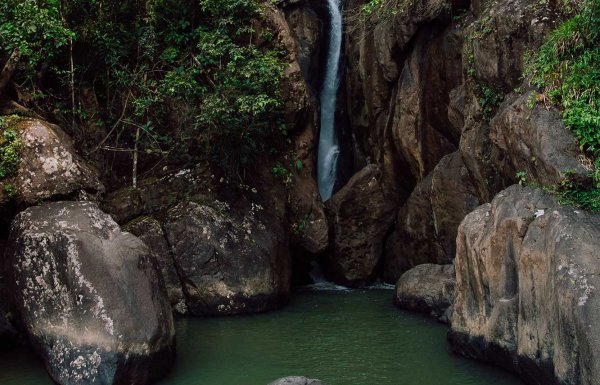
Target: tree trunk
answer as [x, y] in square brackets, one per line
[135, 157]
[8, 70]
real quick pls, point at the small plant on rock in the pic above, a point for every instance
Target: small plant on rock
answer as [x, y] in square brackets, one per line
[280, 171]
[522, 178]
[574, 192]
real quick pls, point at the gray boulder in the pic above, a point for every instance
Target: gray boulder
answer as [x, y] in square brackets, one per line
[528, 273]
[89, 297]
[427, 289]
[229, 261]
[296, 381]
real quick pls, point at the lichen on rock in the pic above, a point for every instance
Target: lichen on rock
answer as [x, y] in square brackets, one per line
[89, 296]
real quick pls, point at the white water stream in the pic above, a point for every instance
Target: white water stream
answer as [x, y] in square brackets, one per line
[328, 143]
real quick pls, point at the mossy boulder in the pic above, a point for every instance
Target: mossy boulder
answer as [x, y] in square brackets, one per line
[42, 163]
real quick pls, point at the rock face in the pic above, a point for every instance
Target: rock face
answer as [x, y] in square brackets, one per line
[528, 273]
[229, 263]
[399, 76]
[49, 165]
[89, 297]
[303, 37]
[306, 21]
[296, 381]
[535, 141]
[426, 289]
[361, 216]
[149, 230]
[413, 240]
[427, 224]
[438, 102]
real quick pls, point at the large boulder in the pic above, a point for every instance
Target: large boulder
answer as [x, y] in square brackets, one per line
[426, 288]
[89, 297]
[361, 216]
[230, 261]
[296, 381]
[528, 273]
[49, 166]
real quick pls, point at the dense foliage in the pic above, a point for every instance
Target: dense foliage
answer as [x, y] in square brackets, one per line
[172, 80]
[34, 28]
[10, 146]
[566, 70]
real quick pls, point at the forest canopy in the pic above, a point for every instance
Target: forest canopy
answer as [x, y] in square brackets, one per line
[172, 80]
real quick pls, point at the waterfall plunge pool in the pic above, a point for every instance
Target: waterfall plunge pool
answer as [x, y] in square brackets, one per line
[341, 337]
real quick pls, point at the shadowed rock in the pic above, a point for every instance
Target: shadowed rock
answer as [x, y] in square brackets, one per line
[7, 334]
[89, 297]
[427, 224]
[149, 230]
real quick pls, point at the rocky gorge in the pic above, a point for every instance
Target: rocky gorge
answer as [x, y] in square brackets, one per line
[446, 186]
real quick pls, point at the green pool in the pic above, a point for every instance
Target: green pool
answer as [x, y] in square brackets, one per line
[340, 337]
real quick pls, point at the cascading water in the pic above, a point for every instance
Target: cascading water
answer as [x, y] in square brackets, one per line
[328, 144]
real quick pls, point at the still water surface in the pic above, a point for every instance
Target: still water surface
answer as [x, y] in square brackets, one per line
[340, 337]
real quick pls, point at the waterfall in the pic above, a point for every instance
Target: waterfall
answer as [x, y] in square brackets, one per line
[328, 144]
